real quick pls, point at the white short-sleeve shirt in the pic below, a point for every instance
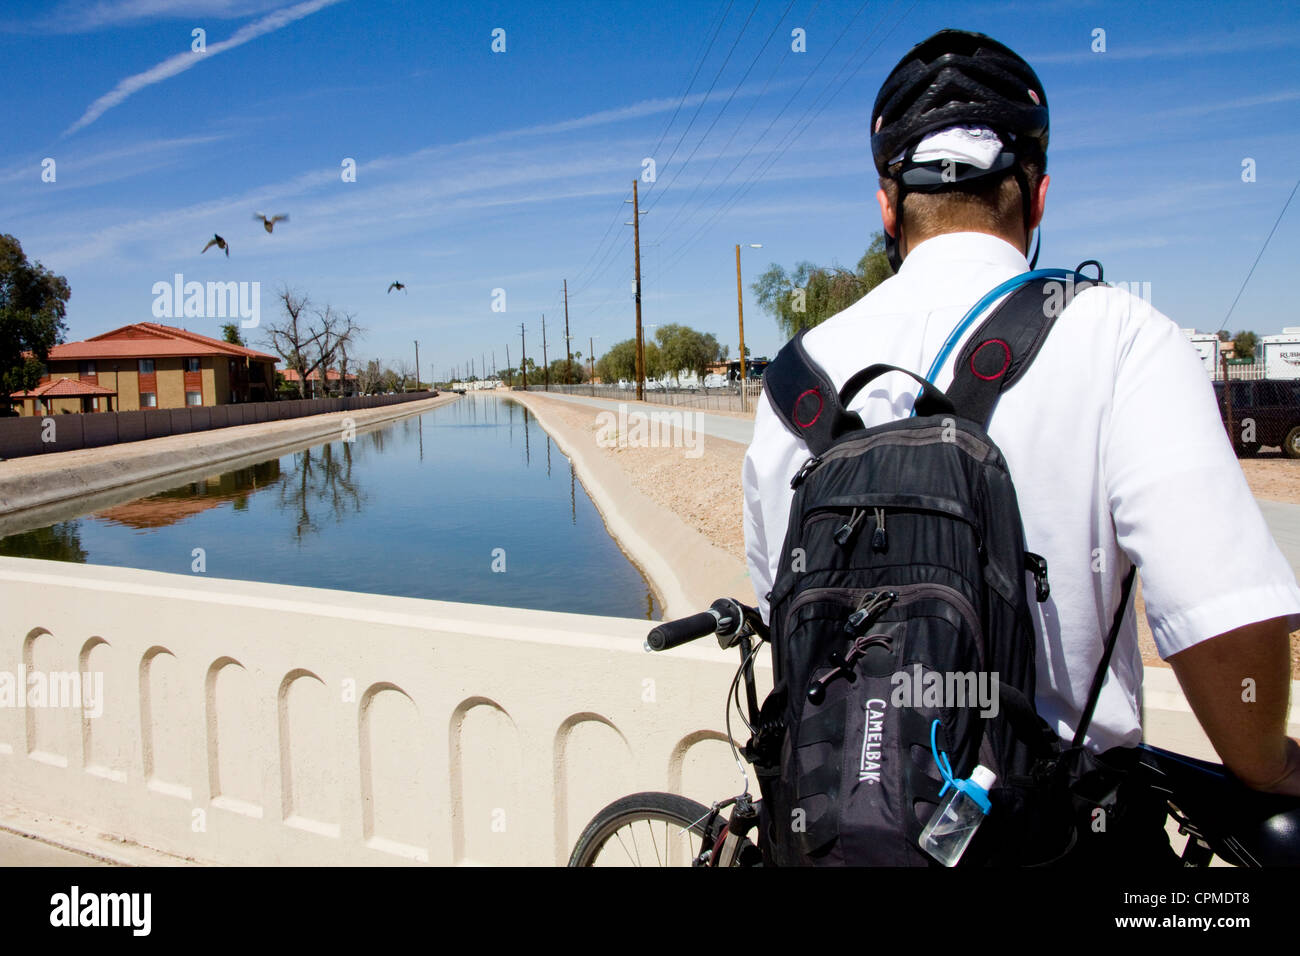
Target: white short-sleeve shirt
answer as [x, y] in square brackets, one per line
[1118, 455]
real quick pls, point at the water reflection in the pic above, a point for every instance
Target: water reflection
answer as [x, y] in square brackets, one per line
[422, 507]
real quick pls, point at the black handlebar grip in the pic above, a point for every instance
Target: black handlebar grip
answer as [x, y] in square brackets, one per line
[670, 634]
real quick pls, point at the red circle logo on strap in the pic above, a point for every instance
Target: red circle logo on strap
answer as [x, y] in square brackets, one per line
[1006, 360]
[799, 401]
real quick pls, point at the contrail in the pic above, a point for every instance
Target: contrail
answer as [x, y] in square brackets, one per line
[183, 61]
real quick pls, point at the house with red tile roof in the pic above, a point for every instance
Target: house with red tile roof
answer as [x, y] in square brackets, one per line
[313, 389]
[147, 365]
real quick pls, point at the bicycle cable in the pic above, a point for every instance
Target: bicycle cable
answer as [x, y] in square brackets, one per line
[734, 694]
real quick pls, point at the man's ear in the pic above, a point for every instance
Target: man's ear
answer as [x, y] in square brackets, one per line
[1039, 203]
[887, 217]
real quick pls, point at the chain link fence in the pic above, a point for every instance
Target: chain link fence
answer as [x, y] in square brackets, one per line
[726, 399]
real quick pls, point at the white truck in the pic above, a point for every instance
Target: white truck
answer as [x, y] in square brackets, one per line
[1207, 345]
[1280, 354]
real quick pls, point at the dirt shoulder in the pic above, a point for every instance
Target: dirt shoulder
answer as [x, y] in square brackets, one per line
[705, 493]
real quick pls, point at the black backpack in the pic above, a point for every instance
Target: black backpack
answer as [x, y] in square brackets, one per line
[900, 593]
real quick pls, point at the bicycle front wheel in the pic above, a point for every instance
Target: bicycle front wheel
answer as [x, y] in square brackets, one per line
[647, 829]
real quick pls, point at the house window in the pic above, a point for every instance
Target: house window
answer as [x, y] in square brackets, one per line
[87, 368]
[193, 398]
[191, 365]
[146, 366]
[148, 399]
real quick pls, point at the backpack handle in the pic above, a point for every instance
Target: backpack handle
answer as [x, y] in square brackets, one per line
[931, 401]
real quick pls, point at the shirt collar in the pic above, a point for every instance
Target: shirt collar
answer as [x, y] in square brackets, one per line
[938, 252]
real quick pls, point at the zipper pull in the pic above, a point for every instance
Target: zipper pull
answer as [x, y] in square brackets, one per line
[846, 530]
[808, 467]
[879, 540]
[873, 605]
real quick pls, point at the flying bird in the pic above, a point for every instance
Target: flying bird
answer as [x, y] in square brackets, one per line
[269, 221]
[219, 243]
[396, 285]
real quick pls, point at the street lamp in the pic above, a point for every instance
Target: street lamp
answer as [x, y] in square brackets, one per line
[740, 311]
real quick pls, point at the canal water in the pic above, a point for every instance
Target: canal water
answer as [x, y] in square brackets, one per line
[471, 501]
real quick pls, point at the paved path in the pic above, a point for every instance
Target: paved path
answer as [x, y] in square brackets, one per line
[1284, 521]
[718, 426]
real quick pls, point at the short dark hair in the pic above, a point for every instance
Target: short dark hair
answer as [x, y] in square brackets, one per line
[980, 205]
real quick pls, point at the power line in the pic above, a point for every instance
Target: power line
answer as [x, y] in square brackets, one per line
[740, 162]
[694, 116]
[744, 189]
[686, 204]
[698, 67]
[1261, 254]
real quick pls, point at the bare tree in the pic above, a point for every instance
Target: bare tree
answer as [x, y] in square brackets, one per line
[308, 339]
[405, 371]
[370, 377]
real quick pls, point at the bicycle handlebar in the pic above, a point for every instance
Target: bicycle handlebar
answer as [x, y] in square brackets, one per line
[730, 620]
[671, 634]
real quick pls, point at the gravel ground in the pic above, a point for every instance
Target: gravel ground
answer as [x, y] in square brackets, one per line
[705, 492]
[1273, 477]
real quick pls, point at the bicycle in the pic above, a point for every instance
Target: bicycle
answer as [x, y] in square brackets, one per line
[1219, 815]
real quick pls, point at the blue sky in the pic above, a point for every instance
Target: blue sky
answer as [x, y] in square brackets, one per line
[479, 170]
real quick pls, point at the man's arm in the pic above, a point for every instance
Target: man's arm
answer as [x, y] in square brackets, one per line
[1237, 684]
[1220, 595]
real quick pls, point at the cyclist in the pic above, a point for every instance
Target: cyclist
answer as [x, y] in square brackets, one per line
[1112, 436]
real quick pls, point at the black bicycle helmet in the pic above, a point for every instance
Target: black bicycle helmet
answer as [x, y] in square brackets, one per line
[958, 78]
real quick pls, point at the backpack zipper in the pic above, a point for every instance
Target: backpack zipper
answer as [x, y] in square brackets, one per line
[879, 539]
[903, 594]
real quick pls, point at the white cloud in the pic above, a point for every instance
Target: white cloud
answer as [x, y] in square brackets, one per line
[79, 16]
[183, 61]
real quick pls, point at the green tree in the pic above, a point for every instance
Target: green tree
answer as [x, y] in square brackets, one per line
[811, 294]
[230, 333]
[683, 349]
[1244, 343]
[33, 305]
[565, 372]
[1225, 335]
[618, 363]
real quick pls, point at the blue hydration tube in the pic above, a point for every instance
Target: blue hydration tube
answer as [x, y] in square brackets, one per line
[978, 308]
[974, 791]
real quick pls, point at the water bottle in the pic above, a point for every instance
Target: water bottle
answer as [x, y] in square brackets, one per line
[952, 826]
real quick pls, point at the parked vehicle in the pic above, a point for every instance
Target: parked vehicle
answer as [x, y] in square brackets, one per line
[1264, 412]
[1280, 354]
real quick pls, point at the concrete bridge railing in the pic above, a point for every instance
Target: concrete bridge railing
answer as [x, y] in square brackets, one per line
[247, 723]
[262, 724]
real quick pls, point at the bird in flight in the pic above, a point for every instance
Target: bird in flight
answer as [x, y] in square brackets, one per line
[269, 221]
[396, 285]
[219, 243]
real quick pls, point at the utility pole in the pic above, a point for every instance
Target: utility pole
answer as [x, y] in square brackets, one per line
[591, 359]
[546, 368]
[636, 242]
[523, 356]
[417, 365]
[494, 364]
[508, 365]
[740, 311]
[568, 350]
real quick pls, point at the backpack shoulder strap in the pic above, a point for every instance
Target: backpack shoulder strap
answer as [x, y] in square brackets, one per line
[1005, 344]
[805, 399]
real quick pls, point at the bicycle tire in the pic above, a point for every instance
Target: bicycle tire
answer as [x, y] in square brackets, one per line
[651, 807]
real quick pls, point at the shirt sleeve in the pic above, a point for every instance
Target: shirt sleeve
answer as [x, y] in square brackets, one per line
[771, 461]
[1181, 506]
